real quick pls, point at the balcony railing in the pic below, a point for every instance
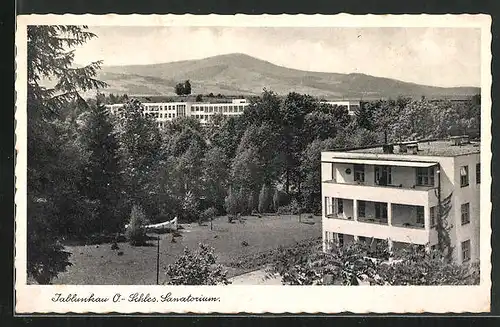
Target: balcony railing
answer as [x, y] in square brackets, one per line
[418, 195]
[392, 186]
[409, 225]
[381, 231]
[380, 221]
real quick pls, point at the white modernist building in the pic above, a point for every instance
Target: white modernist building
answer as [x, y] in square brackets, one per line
[203, 111]
[401, 192]
[351, 105]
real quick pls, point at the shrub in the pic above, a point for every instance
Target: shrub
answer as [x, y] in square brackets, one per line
[136, 233]
[231, 203]
[208, 214]
[292, 208]
[197, 268]
[190, 207]
[250, 203]
[276, 200]
[264, 199]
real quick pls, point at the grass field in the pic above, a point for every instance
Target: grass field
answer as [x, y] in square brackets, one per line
[100, 265]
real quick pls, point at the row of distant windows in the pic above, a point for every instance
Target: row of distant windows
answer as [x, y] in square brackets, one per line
[160, 115]
[219, 109]
[160, 108]
[464, 175]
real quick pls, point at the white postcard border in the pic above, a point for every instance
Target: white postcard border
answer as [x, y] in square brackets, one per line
[257, 299]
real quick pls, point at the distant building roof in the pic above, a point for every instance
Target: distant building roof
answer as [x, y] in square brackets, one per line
[441, 148]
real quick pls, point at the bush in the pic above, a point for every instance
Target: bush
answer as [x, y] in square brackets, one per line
[251, 203]
[231, 203]
[208, 215]
[264, 199]
[197, 268]
[292, 208]
[136, 233]
[276, 200]
[190, 210]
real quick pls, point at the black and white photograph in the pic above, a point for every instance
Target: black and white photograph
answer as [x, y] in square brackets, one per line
[253, 156]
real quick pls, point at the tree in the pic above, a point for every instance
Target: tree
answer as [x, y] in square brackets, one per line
[247, 169]
[208, 215]
[54, 160]
[101, 173]
[183, 88]
[216, 173]
[361, 262]
[310, 167]
[413, 265]
[135, 232]
[276, 200]
[190, 210]
[140, 152]
[231, 203]
[293, 111]
[199, 98]
[264, 199]
[197, 268]
[179, 89]
[250, 202]
[187, 87]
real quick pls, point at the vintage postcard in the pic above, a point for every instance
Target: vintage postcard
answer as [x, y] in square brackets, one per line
[253, 164]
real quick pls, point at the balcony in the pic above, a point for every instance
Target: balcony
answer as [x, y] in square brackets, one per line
[380, 231]
[417, 195]
[395, 221]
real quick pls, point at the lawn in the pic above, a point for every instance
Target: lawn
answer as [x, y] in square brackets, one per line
[100, 265]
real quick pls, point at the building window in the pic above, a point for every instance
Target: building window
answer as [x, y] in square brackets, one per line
[380, 210]
[464, 176]
[465, 251]
[425, 176]
[383, 175]
[432, 215]
[420, 215]
[361, 209]
[340, 240]
[478, 173]
[359, 173]
[340, 206]
[465, 213]
[328, 205]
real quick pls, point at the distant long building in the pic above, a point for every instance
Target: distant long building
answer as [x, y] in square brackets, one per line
[204, 111]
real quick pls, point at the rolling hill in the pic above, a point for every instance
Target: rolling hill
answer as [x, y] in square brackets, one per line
[240, 74]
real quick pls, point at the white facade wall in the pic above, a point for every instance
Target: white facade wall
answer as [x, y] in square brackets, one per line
[403, 201]
[468, 194]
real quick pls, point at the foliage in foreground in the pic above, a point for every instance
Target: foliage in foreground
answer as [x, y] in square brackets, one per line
[197, 268]
[360, 262]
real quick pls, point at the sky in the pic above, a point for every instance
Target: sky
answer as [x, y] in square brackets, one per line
[432, 56]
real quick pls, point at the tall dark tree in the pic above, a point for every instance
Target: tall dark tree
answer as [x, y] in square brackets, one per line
[101, 180]
[215, 177]
[54, 162]
[293, 111]
[140, 153]
[187, 87]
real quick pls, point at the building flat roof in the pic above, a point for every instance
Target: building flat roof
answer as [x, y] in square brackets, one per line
[442, 148]
[384, 162]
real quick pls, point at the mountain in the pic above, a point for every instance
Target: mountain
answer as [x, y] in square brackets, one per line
[240, 74]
